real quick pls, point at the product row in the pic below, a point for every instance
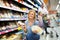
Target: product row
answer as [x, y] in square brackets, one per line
[10, 4]
[11, 37]
[7, 26]
[5, 14]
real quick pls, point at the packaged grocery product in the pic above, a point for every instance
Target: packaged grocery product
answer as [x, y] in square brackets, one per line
[13, 6]
[5, 3]
[36, 29]
[0, 14]
[8, 5]
[19, 25]
[24, 9]
[4, 37]
[20, 1]
[9, 13]
[1, 3]
[3, 28]
[0, 29]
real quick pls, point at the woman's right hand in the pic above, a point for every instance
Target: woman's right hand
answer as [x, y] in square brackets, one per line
[24, 28]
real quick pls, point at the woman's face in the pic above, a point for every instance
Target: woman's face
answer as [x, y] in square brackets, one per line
[40, 14]
[31, 15]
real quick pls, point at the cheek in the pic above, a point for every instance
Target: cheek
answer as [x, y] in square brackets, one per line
[31, 16]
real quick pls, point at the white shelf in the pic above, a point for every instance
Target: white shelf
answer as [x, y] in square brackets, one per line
[12, 19]
[24, 3]
[39, 2]
[32, 3]
[13, 9]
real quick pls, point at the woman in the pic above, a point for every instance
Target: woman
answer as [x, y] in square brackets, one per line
[45, 20]
[29, 23]
[40, 18]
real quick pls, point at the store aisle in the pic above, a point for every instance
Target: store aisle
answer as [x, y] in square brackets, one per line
[42, 37]
[48, 36]
[54, 34]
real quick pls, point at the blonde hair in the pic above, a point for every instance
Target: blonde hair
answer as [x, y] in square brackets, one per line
[34, 14]
[39, 13]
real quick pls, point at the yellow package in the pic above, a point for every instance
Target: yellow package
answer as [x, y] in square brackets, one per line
[19, 28]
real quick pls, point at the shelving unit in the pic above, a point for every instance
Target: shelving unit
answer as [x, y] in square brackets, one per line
[28, 6]
[11, 18]
[12, 12]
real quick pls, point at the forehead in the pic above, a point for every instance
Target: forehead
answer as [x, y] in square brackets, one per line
[31, 12]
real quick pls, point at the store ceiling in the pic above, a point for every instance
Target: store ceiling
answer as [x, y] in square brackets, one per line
[53, 4]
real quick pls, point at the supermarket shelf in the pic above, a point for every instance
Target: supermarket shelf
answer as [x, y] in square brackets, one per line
[7, 31]
[13, 9]
[12, 19]
[32, 3]
[24, 3]
[39, 2]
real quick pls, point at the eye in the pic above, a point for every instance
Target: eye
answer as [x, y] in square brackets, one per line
[31, 14]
